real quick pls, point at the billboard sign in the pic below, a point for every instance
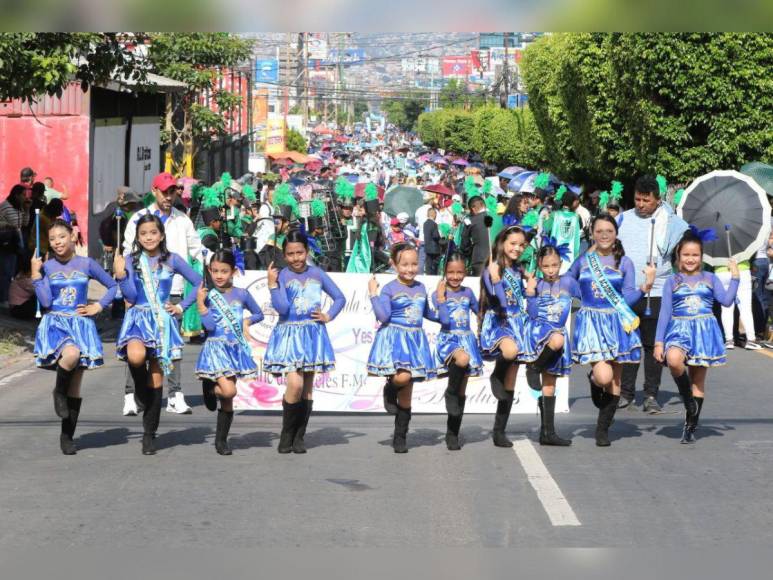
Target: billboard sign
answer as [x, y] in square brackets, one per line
[266, 71]
[456, 66]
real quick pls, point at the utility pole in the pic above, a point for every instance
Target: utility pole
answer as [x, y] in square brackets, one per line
[304, 39]
[505, 75]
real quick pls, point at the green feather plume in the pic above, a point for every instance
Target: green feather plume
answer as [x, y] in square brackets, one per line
[491, 205]
[469, 186]
[317, 208]
[616, 192]
[249, 193]
[225, 179]
[542, 181]
[282, 196]
[456, 208]
[604, 199]
[371, 192]
[197, 190]
[210, 198]
[678, 196]
[344, 189]
[531, 219]
[560, 193]
[444, 229]
[662, 184]
[149, 199]
[486, 189]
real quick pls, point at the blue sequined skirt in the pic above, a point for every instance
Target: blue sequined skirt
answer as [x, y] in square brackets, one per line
[300, 346]
[449, 342]
[139, 324]
[496, 328]
[401, 347]
[540, 334]
[599, 336]
[699, 337]
[57, 330]
[220, 357]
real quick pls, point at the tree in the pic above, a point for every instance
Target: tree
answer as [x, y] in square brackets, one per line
[295, 141]
[39, 63]
[405, 110]
[194, 58]
[611, 106]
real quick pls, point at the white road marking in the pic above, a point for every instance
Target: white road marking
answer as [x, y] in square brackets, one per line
[11, 378]
[558, 509]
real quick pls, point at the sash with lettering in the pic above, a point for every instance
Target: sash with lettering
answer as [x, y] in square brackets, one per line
[514, 284]
[163, 318]
[221, 304]
[627, 316]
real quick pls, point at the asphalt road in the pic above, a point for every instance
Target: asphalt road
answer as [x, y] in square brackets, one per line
[351, 490]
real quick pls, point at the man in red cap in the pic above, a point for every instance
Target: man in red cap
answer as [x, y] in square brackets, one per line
[182, 239]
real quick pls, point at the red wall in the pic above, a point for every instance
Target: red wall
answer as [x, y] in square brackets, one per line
[54, 146]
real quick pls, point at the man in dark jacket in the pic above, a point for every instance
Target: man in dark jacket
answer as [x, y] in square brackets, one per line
[475, 235]
[432, 249]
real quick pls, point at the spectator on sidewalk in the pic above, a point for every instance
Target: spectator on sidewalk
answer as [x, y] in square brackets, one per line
[22, 302]
[14, 217]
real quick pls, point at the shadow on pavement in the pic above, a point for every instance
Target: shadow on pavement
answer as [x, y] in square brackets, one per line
[189, 436]
[106, 438]
[254, 439]
[329, 436]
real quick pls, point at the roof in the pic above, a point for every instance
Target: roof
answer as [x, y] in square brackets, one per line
[294, 156]
[160, 83]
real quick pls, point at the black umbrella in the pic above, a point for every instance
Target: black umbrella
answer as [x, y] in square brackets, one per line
[403, 198]
[735, 207]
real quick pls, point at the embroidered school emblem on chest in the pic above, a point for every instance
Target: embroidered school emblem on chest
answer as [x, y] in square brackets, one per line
[413, 313]
[459, 317]
[693, 304]
[68, 296]
[554, 311]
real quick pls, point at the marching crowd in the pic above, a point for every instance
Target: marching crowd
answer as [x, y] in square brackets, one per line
[638, 276]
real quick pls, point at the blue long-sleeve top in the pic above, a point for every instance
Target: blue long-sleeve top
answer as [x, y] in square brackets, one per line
[552, 302]
[65, 285]
[239, 300]
[500, 295]
[298, 294]
[622, 278]
[454, 313]
[403, 305]
[134, 290]
[691, 297]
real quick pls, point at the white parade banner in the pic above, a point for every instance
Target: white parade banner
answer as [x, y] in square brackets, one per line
[349, 388]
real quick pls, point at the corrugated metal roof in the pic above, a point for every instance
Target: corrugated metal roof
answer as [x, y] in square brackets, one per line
[73, 102]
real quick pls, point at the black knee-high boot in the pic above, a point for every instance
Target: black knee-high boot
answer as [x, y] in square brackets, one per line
[497, 378]
[224, 420]
[690, 406]
[208, 393]
[402, 419]
[535, 369]
[68, 426]
[454, 423]
[150, 419]
[63, 378]
[299, 445]
[500, 421]
[140, 377]
[456, 376]
[598, 395]
[547, 433]
[606, 416]
[692, 422]
[292, 416]
[390, 397]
